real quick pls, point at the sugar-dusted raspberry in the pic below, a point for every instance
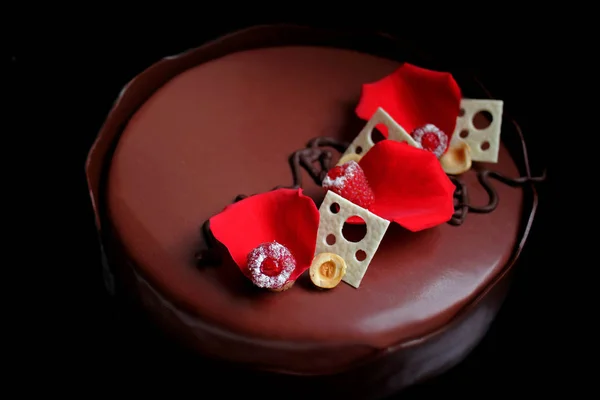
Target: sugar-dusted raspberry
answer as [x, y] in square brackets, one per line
[349, 181]
[270, 265]
[431, 139]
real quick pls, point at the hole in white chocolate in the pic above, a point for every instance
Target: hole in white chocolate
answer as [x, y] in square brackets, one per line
[461, 112]
[330, 239]
[377, 136]
[358, 150]
[485, 145]
[482, 119]
[464, 133]
[334, 208]
[360, 255]
[355, 231]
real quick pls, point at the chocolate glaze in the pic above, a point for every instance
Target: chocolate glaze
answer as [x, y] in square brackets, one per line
[427, 297]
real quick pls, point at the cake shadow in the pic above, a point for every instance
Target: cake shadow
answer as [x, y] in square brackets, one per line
[305, 283]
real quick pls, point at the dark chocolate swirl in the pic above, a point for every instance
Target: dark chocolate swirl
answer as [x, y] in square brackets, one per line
[461, 197]
[315, 158]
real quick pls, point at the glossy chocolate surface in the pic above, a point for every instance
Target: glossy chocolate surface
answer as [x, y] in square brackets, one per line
[227, 127]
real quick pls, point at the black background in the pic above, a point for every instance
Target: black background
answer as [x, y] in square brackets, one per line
[71, 78]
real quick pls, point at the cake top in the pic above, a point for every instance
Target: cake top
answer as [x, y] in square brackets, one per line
[428, 131]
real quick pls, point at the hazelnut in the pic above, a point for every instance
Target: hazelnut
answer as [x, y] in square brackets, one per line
[327, 270]
[457, 159]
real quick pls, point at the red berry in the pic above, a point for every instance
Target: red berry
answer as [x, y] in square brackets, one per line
[270, 265]
[349, 181]
[431, 139]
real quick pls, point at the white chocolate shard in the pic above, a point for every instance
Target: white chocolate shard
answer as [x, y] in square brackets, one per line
[483, 143]
[363, 142]
[331, 223]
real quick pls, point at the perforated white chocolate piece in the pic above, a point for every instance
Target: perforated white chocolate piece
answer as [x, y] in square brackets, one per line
[334, 211]
[484, 143]
[363, 142]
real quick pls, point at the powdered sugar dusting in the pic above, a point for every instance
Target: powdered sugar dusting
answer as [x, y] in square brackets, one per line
[278, 253]
[419, 133]
[350, 170]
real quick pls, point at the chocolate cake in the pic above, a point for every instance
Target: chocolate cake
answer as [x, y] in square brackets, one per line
[273, 108]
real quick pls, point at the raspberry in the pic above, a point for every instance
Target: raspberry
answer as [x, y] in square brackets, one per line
[270, 265]
[431, 139]
[349, 181]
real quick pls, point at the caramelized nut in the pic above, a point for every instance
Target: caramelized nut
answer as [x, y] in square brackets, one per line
[327, 270]
[457, 159]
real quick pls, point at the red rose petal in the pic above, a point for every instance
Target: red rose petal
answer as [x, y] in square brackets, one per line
[413, 97]
[284, 215]
[409, 185]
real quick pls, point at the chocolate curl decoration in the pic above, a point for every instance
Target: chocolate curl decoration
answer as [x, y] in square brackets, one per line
[462, 206]
[315, 152]
[461, 198]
